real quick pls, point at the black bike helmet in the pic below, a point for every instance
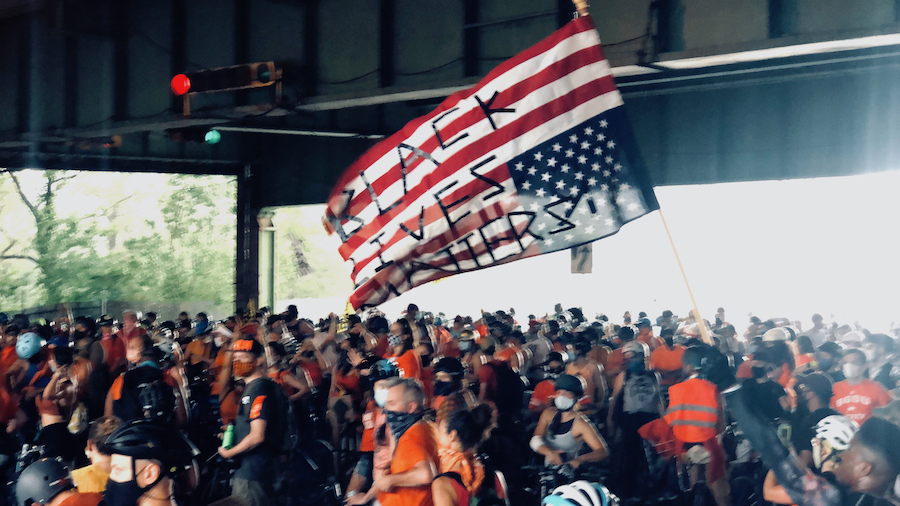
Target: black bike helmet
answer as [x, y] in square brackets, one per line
[150, 440]
[451, 366]
[42, 481]
[383, 369]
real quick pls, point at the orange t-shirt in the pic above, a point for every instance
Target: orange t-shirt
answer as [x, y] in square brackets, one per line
[542, 394]
[614, 362]
[8, 358]
[417, 444]
[856, 402]
[409, 364]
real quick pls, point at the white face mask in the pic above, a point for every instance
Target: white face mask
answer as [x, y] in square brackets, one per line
[851, 370]
[380, 397]
[563, 403]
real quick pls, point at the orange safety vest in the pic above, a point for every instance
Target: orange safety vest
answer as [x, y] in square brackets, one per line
[693, 410]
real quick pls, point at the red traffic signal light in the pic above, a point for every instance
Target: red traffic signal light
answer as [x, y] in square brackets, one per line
[181, 84]
[236, 77]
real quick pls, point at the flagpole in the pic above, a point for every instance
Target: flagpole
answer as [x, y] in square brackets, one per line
[704, 332]
[581, 6]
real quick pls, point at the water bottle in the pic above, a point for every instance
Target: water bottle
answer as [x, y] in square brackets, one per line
[228, 438]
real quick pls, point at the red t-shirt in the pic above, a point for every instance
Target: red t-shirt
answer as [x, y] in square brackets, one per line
[856, 402]
[367, 444]
[664, 359]
[542, 394]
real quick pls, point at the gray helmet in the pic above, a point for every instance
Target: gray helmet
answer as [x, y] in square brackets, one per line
[42, 481]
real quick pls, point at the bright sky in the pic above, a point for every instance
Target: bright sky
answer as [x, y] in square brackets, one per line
[772, 248]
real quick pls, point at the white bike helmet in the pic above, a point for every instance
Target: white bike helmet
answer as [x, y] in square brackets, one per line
[837, 430]
[581, 493]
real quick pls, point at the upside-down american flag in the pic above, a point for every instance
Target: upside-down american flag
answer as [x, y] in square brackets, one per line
[537, 157]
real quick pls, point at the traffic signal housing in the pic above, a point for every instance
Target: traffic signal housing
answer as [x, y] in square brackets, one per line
[236, 77]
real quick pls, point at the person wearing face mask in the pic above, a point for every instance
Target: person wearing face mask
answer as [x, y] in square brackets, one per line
[814, 393]
[93, 477]
[401, 352]
[857, 396]
[450, 394]
[379, 374]
[257, 417]
[828, 358]
[878, 349]
[415, 449]
[761, 387]
[562, 431]
[636, 401]
[150, 465]
[542, 395]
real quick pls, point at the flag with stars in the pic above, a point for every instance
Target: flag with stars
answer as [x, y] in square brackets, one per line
[537, 157]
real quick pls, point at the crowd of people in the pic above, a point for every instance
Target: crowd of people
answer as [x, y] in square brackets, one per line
[269, 408]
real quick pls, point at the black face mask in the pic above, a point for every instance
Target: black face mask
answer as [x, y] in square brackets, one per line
[80, 334]
[444, 388]
[401, 422]
[126, 493]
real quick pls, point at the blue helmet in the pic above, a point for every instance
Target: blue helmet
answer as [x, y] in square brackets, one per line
[29, 344]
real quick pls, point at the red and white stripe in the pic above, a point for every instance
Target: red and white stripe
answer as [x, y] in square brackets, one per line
[560, 82]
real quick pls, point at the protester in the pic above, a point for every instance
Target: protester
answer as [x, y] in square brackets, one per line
[856, 397]
[93, 477]
[47, 482]
[562, 432]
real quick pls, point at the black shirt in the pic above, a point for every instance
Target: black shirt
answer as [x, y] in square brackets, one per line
[764, 397]
[804, 430]
[257, 403]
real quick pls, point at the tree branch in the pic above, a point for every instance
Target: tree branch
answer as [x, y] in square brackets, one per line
[18, 257]
[25, 200]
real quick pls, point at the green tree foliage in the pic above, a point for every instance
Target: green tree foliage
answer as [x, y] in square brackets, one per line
[169, 240]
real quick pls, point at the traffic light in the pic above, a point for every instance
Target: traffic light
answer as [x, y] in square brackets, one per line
[236, 77]
[195, 134]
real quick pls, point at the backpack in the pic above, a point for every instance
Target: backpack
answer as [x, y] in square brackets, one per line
[144, 389]
[286, 431]
[509, 396]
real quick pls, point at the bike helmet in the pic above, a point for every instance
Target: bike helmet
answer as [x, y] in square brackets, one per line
[151, 440]
[581, 493]
[451, 366]
[383, 369]
[40, 482]
[837, 430]
[569, 383]
[29, 344]
[636, 347]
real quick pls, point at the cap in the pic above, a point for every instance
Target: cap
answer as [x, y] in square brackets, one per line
[105, 321]
[643, 322]
[817, 383]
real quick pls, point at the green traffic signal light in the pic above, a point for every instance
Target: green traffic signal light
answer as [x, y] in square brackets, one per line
[212, 137]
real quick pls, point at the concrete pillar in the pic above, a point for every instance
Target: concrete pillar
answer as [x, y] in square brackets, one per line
[266, 259]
